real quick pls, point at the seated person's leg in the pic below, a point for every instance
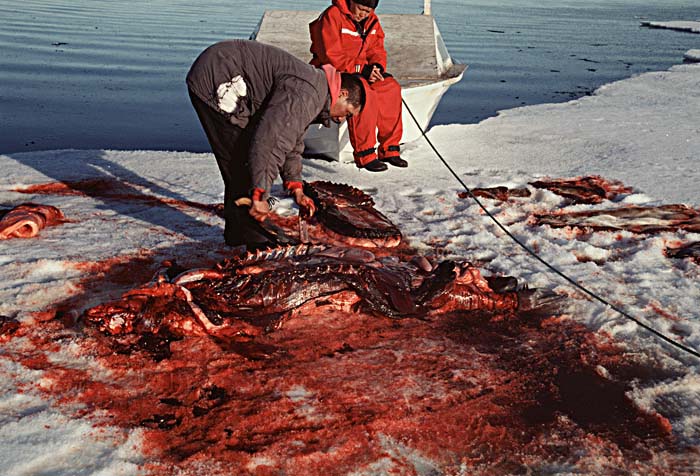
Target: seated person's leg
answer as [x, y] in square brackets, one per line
[362, 130]
[389, 121]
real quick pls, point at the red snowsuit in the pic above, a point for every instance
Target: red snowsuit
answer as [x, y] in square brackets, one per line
[350, 47]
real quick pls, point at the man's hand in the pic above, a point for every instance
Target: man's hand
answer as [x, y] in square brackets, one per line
[375, 75]
[307, 205]
[259, 210]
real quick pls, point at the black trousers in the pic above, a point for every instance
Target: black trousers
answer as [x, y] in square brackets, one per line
[230, 145]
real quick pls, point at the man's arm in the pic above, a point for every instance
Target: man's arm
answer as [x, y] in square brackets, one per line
[277, 134]
[291, 168]
[291, 176]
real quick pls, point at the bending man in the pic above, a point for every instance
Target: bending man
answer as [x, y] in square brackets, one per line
[348, 36]
[255, 103]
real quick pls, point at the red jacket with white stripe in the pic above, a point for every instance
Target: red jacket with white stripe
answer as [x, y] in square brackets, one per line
[338, 40]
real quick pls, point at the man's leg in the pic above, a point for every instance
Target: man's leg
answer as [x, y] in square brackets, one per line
[389, 121]
[229, 144]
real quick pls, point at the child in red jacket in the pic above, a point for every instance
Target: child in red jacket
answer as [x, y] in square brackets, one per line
[348, 36]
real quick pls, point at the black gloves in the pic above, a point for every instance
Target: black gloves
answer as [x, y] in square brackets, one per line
[367, 70]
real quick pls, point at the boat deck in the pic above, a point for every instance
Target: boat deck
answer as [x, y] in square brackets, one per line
[415, 57]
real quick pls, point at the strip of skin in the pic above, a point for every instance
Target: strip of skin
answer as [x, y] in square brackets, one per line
[27, 220]
[590, 189]
[197, 274]
[348, 216]
[497, 193]
[25, 226]
[688, 250]
[632, 218]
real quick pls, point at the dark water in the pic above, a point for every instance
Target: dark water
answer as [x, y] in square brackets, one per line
[102, 74]
[521, 54]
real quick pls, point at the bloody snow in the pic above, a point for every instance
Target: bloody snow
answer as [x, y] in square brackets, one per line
[336, 390]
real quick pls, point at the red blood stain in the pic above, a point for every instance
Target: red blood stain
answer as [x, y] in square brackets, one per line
[115, 190]
[334, 392]
[109, 278]
[656, 307]
[90, 187]
[8, 326]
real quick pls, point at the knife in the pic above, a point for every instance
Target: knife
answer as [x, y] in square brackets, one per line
[303, 228]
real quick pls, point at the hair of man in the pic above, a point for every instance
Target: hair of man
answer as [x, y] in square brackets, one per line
[356, 90]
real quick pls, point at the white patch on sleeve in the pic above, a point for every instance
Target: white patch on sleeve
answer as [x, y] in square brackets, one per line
[230, 93]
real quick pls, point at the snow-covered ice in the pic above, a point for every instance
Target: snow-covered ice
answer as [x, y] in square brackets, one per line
[680, 25]
[643, 131]
[692, 55]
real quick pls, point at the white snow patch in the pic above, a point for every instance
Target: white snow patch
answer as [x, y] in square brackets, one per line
[680, 25]
[692, 55]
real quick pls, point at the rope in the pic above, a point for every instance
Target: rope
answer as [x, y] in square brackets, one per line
[545, 263]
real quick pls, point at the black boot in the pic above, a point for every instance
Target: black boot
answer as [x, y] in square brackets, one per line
[375, 166]
[396, 161]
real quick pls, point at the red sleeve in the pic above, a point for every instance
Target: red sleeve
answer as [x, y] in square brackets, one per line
[326, 42]
[257, 194]
[293, 185]
[376, 53]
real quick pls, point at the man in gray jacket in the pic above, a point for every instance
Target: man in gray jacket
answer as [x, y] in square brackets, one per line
[255, 102]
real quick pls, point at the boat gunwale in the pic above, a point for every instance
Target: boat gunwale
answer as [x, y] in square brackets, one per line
[454, 73]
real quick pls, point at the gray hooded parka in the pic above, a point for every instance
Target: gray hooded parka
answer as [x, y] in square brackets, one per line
[261, 86]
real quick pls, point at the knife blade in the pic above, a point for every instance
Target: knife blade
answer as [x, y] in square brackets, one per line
[303, 229]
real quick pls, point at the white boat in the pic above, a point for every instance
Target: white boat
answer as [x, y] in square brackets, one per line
[417, 58]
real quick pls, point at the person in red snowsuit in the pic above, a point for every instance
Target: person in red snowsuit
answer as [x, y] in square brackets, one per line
[348, 36]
